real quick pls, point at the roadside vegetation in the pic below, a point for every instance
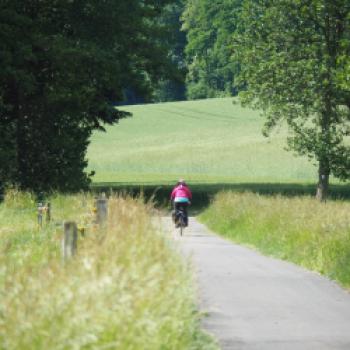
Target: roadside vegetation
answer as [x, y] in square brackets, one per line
[127, 288]
[302, 230]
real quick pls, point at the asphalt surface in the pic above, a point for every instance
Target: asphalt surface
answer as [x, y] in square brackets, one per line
[261, 303]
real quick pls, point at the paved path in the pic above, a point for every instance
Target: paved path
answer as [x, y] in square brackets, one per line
[260, 303]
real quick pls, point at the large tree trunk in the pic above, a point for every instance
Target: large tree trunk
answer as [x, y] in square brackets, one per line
[323, 181]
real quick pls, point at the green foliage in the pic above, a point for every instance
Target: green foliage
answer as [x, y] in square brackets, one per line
[291, 52]
[302, 230]
[172, 86]
[343, 62]
[64, 65]
[127, 288]
[209, 26]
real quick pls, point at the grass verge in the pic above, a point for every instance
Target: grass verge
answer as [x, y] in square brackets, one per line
[300, 229]
[126, 289]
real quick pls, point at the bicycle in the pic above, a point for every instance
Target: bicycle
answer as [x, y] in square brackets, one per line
[180, 220]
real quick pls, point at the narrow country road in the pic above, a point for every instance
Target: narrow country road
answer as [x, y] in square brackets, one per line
[260, 303]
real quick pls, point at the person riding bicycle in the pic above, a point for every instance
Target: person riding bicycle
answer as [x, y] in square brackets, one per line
[181, 197]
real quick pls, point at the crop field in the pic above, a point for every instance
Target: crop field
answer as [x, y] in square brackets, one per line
[205, 141]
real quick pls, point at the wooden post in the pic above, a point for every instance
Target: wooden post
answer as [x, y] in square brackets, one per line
[81, 230]
[48, 212]
[70, 240]
[102, 211]
[40, 215]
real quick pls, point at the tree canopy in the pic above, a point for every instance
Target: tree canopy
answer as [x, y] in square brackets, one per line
[294, 59]
[64, 64]
[172, 86]
[209, 26]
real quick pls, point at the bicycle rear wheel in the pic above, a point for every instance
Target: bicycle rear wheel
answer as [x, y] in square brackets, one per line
[182, 224]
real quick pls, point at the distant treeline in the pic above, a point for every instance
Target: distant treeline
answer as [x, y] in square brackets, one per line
[202, 49]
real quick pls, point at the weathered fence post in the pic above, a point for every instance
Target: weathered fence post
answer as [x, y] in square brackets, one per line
[40, 215]
[48, 212]
[70, 240]
[101, 211]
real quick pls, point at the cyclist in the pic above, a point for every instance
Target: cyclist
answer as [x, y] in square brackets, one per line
[181, 196]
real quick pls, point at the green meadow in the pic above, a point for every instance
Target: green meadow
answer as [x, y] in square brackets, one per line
[218, 146]
[205, 141]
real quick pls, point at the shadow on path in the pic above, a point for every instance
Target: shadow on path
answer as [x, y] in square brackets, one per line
[203, 193]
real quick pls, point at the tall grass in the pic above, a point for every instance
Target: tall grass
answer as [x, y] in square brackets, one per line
[302, 230]
[126, 289]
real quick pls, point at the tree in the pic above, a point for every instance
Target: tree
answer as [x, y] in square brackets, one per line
[291, 54]
[209, 26]
[172, 86]
[64, 65]
[343, 71]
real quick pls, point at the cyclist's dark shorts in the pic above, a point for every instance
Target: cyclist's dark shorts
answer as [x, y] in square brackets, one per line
[184, 206]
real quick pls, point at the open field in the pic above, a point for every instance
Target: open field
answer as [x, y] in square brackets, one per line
[300, 229]
[127, 288]
[207, 141]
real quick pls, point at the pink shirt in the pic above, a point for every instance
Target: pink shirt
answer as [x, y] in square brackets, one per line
[181, 191]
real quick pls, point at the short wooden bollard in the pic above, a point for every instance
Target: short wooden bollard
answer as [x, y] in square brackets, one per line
[101, 211]
[70, 240]
[48, 212]
[40, 214]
